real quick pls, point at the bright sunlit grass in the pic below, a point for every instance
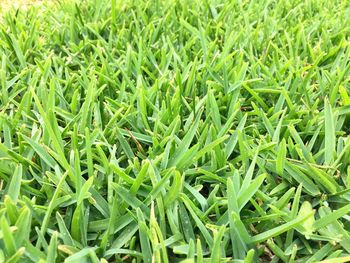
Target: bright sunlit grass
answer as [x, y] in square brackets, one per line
[168, 131]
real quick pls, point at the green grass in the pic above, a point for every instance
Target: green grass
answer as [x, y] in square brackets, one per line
[168, 131]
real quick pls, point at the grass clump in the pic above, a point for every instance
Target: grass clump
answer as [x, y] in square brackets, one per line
[168, 131]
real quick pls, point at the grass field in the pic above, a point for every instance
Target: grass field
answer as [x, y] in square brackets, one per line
[175, 131]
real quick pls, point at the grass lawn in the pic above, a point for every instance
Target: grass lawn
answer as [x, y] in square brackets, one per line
[175, 131]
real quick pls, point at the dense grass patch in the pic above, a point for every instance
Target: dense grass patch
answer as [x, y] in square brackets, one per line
[167, 131]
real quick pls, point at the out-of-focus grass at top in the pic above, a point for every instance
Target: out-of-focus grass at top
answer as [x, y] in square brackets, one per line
[6, 5]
